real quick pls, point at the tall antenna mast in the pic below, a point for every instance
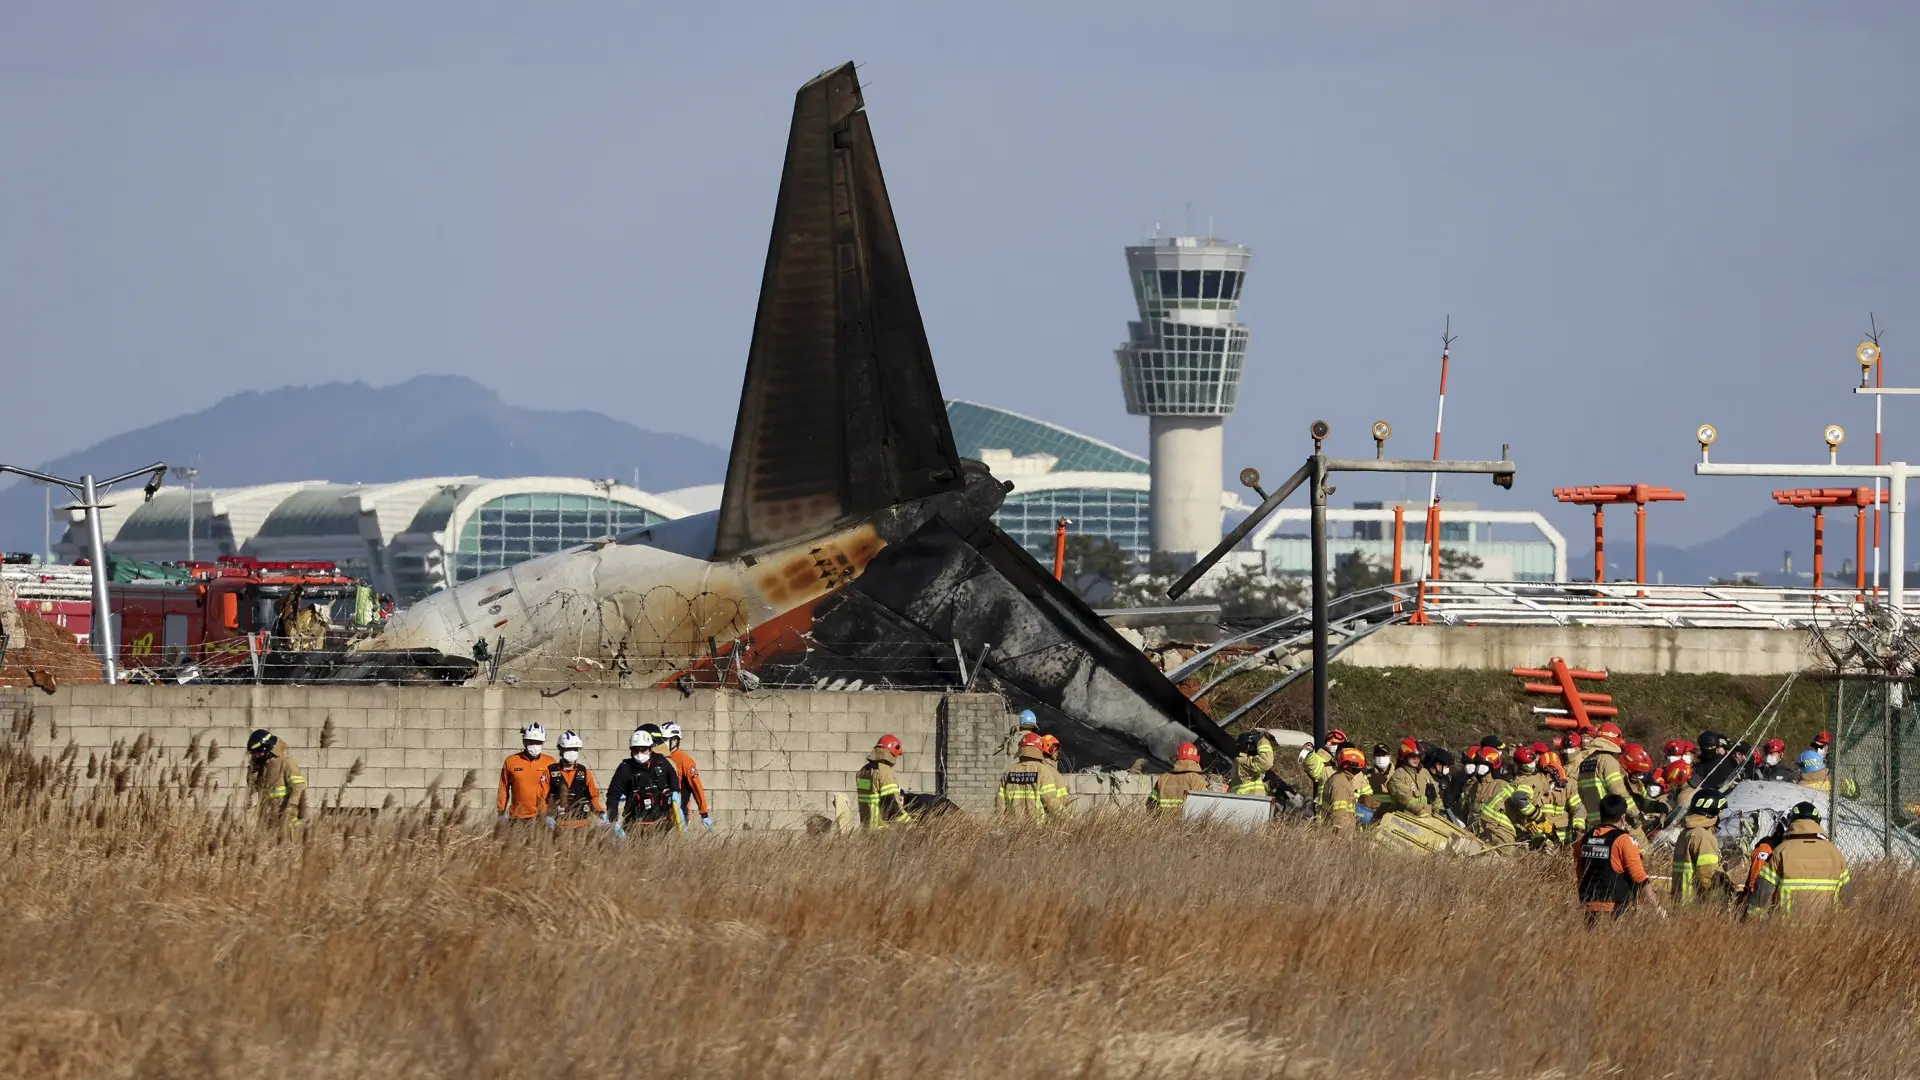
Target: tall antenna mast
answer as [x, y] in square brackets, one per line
[1879, 365]
[1430, 554]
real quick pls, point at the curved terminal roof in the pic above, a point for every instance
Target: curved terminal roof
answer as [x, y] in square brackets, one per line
[978, 428]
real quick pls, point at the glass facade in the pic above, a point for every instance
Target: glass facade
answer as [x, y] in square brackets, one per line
[1117, 514]
[1185, 354]
[983, 427]
[514, 528]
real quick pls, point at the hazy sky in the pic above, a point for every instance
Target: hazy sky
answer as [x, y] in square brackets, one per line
[1640, 216]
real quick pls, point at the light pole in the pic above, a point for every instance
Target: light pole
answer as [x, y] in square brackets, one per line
[88, 492]
[1895, 473]
[187, 473]
[1317, 468]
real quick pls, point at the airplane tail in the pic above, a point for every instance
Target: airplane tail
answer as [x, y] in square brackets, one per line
[841, 413]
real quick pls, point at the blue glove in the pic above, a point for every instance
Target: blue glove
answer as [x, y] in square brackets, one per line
[706, 820]
[619, 833]
[502, 819]
[549, 823]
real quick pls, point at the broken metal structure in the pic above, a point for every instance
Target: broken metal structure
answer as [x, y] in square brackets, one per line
[853, 545]
[1316, 470]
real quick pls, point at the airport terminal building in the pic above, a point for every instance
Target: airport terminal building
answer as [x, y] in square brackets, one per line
[408, 539]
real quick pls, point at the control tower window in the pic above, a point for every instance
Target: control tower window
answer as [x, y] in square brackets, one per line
[1189, 284]
[1210, 285]
[1169, 284]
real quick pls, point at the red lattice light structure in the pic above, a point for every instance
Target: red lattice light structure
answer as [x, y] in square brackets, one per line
[1600, 496]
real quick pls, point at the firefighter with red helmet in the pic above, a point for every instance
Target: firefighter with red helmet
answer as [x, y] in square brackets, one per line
[1341, 804]
[1773, 765]
[1545, 795]
[1641, 790]
[1502, 810]
[1033, 790]
[1170, 789]
[1319, 763]
[1676, 777]
[877, 789]
[1601, 774]
[1411, 788]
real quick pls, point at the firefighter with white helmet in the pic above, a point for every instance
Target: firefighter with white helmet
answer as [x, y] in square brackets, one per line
[644, 788]
[689, 771]
[524, 777]
[573, 800]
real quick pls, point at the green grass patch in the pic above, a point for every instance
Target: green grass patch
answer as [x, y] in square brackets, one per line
[1456, 708]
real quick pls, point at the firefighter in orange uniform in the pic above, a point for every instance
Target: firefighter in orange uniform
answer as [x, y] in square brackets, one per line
[1609, 870]
[573, 799]
[523, 778]
[689, 771]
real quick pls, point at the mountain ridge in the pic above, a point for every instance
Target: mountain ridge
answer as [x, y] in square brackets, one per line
[353, 432]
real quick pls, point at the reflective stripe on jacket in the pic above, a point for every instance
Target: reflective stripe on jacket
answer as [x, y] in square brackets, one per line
[1805, 872]
[1250, 770]
[878, 793]
[1696, 861]
[1170, 788]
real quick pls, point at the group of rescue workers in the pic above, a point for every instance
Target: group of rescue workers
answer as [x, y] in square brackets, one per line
[657, 787]
[1598, 795]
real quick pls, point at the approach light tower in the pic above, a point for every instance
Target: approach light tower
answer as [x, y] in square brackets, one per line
[1180, 368]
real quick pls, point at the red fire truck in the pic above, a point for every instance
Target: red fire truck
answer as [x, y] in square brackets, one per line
[217, 613]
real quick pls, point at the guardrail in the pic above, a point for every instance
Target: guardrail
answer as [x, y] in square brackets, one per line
[1530, 603]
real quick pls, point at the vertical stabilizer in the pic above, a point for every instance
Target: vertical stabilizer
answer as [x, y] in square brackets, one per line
[841, 414]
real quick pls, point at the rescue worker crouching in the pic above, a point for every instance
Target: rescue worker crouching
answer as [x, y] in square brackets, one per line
[877, 789]
[644, 789]
[1412, 789]
[1502, 811]
[1170, 789]
[1697, 874]
[1033, 790]
[1547, 797]
[276, 780]
[1251, 764]
[523, 778]
[1806, 873]
[1344, 790]
[573, 799]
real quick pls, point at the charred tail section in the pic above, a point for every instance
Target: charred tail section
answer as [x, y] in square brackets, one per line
[841, 414]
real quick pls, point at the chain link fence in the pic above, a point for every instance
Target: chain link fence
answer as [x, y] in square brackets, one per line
[1874, 787]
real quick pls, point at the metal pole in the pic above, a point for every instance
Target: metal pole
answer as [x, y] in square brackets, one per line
[1878, 403]
[1060, 549]
[102, 631]
[191, 474]
[1860, 553]
[1399, 541]
[1640, 544]
[1599, 544]
[1819, 551]
[1897, 537]
[1321, 587]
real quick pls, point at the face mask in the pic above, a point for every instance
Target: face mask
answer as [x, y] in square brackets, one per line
[641, 756]
[569, 756]
[1773, 759]
[1653, 791]
[533, 749]
[1382, 762]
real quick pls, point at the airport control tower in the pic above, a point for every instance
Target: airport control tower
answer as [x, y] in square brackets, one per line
[1180, 368]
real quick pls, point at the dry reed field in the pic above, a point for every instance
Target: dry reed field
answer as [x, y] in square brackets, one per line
[155, 933]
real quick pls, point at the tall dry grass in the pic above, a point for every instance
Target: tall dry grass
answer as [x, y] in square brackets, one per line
[154, 933]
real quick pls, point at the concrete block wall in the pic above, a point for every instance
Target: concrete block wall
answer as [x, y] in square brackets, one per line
[769, 759]
[1647, 650]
